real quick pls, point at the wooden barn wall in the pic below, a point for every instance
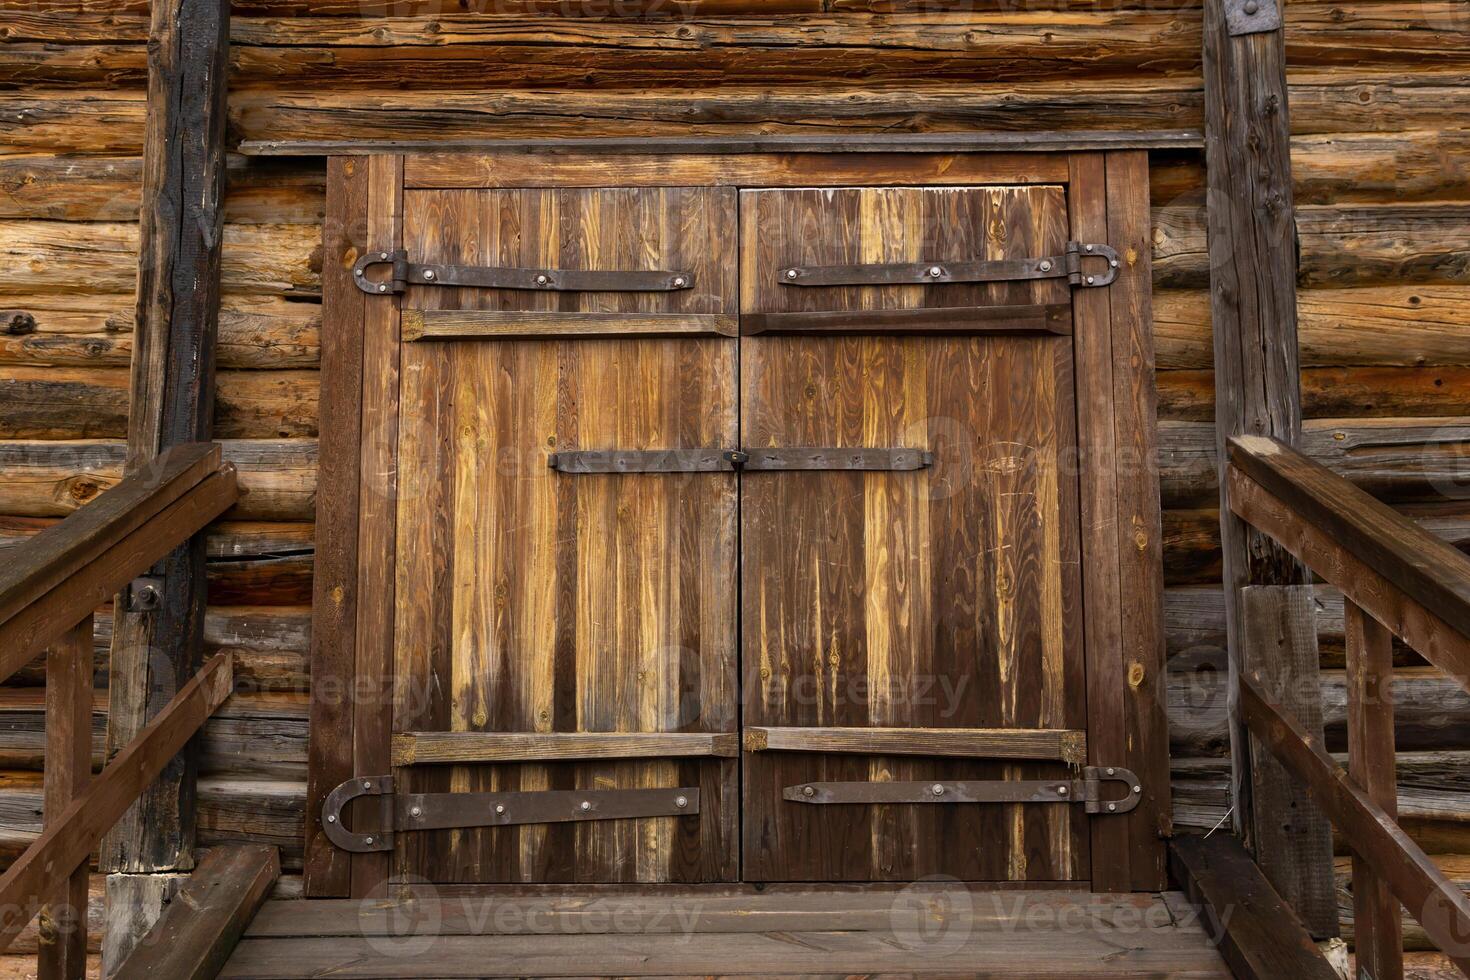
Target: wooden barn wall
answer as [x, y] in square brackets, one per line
[1380, 109]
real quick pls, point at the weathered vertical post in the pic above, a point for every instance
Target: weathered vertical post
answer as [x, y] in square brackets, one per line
[159, 621]
[1253, 265]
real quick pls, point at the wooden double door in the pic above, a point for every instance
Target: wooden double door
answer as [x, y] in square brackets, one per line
[729, 533]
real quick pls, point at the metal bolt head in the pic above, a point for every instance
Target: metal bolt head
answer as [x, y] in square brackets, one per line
[1045, 267]
[358, 272]
[383, 288]
[935, 272]
[679, 281]
[367, 840]
[808, 791]
[1062, 791]
[382, 255]
[1111, 771]
[147, 596]
[1113, 263]
[415, 811]
[681, 802]
[1112, 807]
[586, 804]
[1252, 7]
[367, 784]
[542, 280]
[1090, 280]
[937, 789]
[1089, 248]
[790, 273]
[331, 819]
[1138, 789]
[500, 808]
[429, 275]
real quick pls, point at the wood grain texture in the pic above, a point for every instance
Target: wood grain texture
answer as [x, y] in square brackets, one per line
[533, 325]
[424, 748]
[1379, 939]
[63, 922]
[991, 743]
[540, 602]
[338, 486]
[942, 598]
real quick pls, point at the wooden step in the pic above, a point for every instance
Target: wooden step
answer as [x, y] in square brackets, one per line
[548, 931]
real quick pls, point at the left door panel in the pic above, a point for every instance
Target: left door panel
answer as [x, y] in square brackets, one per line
[531, 600]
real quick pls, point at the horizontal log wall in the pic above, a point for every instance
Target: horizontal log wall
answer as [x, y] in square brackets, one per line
[1380, 113]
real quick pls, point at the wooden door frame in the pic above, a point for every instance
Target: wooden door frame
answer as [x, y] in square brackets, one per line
[1122, 585]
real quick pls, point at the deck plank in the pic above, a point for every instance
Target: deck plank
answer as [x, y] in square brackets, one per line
[926, 929]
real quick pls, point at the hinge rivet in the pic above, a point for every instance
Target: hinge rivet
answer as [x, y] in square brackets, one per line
[586, 804]
[808, 791]
[679, 281]
[680, 802]
[382, 255]
[383, 288]
[1090, 280]
[367, 840]
[1089, 248]
[542, 280]
[1111, 771]
[367, 784]
[358, 272]
[1062, 791]
[331, 819]
[1046, 267]
[1112, 807]
[1138, 789]
[1252, 7]
[790, 273]
[500, 808]
[1113, 263]
[937, 789]
[429, 275]
[415, 812]
[935, 271]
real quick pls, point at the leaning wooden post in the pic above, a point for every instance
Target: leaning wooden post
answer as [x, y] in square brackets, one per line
[1253, 264]
[159, 620]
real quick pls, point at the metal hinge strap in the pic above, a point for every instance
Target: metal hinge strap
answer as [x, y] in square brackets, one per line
[448, 811]
[1087, 791]
[403, 273]
[731, 460]
[1068, 265]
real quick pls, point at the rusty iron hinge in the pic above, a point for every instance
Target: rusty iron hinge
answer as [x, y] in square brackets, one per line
[1251, 16]
[1087, 791]
[403, 273]
[731, 460]
[447, 811]
[1068, 265]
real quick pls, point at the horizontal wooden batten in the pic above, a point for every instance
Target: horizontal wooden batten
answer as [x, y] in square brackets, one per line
[545, 324]
[1046, 318]
[426, 748]
[591, 169]
[958, 142]
[1062, 745]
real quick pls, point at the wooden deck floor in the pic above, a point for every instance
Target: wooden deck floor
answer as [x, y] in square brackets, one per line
[932, 928]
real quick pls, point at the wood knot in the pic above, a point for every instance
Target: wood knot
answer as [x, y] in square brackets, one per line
[1136, 675]
[18, 322]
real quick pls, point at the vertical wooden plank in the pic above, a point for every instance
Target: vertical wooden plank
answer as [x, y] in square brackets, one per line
[1376, 913]
[378, 513]
[1252, 238]
[1139, 530]
[156, 650]
[63, 924]
[334, 586]
[1107, 724]
[1280, 647]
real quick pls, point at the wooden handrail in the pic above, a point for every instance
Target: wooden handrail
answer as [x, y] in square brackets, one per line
[1395, 578]
[69, 838]
[1412, 582]
[49, 588]
[49, 583]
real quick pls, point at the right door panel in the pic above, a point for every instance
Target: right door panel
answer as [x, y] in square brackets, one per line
[945, 597]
